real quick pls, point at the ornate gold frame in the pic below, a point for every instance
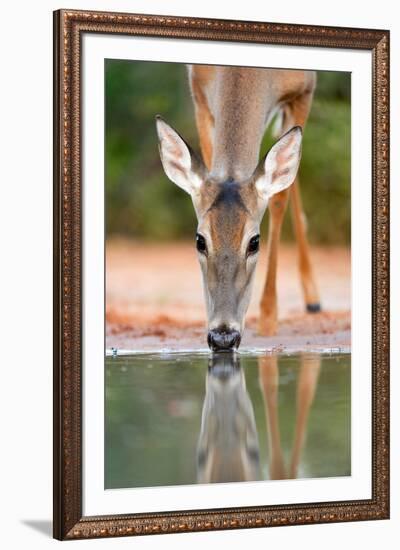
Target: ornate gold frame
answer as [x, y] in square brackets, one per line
[69, 25]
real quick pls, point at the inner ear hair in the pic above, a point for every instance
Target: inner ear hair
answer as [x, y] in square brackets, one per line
[277, 169]
[197, 164]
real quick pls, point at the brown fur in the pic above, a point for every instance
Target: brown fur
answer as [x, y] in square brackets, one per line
[228, 214]
[233, 105]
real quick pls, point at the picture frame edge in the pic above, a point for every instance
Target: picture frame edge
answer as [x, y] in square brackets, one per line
[68, 522]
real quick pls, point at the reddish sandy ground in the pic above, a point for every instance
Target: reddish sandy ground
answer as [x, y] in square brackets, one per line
[154, 299]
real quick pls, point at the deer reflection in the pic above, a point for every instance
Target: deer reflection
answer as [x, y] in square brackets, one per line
[228, 443]
[306, 386]
[228, 447]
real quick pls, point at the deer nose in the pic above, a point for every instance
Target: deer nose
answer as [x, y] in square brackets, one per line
[223, 339]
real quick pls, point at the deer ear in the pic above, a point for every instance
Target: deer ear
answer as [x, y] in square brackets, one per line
[178, 160]
[279, 167]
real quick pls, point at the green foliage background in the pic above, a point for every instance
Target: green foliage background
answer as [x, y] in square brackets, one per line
[142, 203]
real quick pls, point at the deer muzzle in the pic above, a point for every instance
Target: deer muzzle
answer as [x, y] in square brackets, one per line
[223, 339]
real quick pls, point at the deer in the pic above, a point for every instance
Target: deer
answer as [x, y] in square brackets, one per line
[228, 446]
[231, 188]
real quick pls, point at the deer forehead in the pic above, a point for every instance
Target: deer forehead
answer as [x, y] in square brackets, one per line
[229, 211]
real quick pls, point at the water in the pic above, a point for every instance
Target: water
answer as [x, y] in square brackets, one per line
[184, 419]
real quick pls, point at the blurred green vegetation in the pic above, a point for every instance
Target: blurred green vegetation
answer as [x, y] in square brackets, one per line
[143, 203]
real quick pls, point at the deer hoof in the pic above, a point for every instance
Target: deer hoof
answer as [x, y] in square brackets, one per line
[313, 308]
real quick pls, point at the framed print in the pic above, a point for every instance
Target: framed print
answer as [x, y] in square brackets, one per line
[221, 279]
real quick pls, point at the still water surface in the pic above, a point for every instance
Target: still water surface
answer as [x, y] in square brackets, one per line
[184, 419]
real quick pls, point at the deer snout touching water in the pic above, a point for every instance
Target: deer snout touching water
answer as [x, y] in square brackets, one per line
[231, 189]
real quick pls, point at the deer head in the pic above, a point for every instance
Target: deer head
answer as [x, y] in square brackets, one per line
[229, 213]
[228, 447]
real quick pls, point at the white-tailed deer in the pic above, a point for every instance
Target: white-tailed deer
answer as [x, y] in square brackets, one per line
[231, 189]
[228, 446]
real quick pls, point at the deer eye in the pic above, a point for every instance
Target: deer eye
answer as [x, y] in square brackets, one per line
[201, 244]
[254, 245]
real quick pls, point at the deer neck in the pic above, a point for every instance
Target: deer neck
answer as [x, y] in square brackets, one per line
[242, 105]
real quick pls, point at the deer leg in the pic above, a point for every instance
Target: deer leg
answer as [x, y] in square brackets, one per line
[204, 117]
[268, 320]
[294, 113]
[269, 382]
[306, 386]
[309, 287]
[204, 128]
[297, 113]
